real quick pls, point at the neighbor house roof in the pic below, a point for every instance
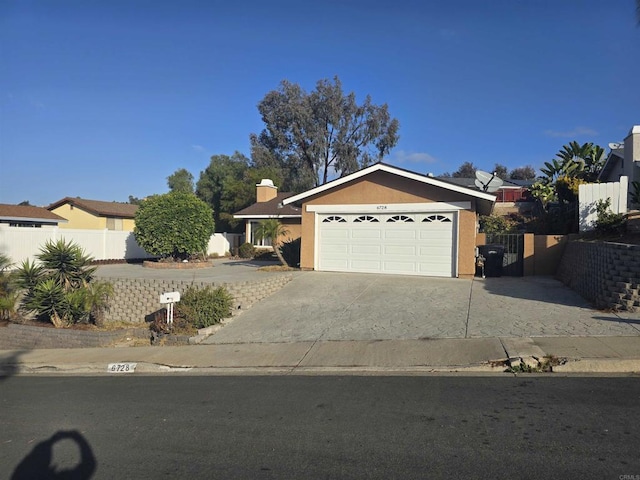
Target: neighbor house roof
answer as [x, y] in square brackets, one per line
[270, 209]
[470, 182]
[28, 213]
[99, 208]
[485, 200]
[615, 156]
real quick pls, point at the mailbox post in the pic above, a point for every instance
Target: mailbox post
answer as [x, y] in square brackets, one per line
[169, 299]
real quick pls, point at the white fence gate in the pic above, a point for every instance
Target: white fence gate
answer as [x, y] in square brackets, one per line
[22, 243]
[590, 193]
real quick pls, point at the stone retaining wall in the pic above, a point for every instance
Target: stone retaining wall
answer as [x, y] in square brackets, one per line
[137, 299]
[606, 274]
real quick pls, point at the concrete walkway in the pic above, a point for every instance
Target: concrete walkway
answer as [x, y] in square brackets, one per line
[473, 355]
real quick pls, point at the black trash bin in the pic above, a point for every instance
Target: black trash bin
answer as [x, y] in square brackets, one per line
[493, 258]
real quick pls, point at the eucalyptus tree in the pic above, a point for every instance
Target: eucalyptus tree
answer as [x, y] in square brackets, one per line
[313, 135]
[180, 181]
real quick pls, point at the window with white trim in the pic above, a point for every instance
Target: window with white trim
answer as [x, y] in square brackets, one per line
[258, 242]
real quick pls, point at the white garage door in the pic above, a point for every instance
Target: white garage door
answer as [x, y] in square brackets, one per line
[409, 244]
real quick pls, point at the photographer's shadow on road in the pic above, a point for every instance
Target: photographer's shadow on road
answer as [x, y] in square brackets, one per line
[40, 464]
[9, 364]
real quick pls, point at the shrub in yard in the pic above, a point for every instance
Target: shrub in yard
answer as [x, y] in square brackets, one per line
[59, 287]
[607, 221]
[246, 250]
[291, 251]
[8, 291]
[497, 224]
[205, 306]
[175, 225]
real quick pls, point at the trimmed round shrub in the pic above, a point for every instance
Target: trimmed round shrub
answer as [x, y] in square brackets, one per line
[205, 306]
[246, 250]
[176, 224]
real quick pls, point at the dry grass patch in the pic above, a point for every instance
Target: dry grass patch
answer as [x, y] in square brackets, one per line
[276, 268]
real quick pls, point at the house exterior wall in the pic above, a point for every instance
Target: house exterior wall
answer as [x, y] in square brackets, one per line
[384, 188]
[291, 224]
[632, 155]
[81, 219]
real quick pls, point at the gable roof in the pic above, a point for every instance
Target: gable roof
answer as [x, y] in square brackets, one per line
[615, 156]
[28, 213]
[485, 200]
[270, 209]
[99, 208]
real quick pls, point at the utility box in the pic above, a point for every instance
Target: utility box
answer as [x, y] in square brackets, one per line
[493, 258]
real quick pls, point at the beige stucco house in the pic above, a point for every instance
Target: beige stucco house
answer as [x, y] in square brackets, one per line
[269, 204]
[95, 214]
[387, 220]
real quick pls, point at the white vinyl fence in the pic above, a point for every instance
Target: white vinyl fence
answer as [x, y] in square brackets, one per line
[22, 243]
[590, 193]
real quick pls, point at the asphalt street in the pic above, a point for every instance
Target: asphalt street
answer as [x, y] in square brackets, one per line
[320, 427]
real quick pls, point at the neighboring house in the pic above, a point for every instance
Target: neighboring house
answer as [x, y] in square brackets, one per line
[269, 205]
[95, 214]
[509, 191]
[28, 216]
[623, 159]
[384, 219]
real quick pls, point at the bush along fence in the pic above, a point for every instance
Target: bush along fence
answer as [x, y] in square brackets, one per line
[138, 300]
[606, 274]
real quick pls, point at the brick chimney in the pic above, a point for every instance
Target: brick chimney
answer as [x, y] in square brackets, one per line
[266, 190]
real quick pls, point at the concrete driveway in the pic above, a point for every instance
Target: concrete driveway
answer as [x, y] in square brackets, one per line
[322, 306]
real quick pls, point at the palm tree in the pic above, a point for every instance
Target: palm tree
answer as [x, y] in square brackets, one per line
[273, 230]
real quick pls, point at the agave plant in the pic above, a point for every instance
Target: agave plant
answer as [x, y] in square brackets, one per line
[67, 263]
[59, 287]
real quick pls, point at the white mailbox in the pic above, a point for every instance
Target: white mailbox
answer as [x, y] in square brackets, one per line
[170, 297]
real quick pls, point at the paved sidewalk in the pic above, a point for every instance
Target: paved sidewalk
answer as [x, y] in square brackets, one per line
[324, 322]
[473, 355]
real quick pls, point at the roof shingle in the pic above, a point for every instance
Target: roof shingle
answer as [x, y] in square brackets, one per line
[271, 208]
[28, 212]
[100, 208]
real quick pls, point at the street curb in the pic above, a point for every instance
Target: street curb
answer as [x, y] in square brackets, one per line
[600, 365]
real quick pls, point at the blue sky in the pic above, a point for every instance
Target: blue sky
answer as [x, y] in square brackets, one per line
[105, 99]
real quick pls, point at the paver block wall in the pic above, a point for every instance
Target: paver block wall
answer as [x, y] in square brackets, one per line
[607, 274]
[135, 299]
